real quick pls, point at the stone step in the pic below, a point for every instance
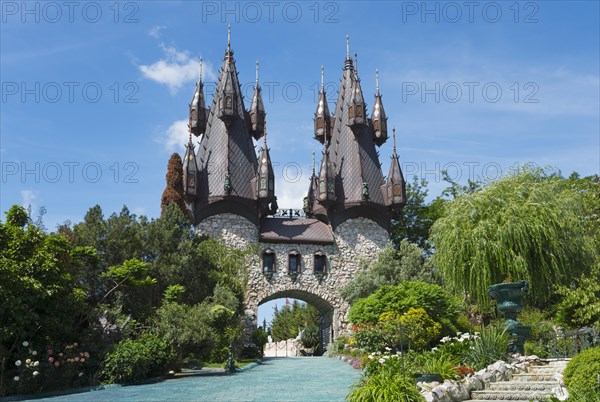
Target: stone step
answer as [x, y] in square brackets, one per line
[522, 386]
[533, 377]
[546, 369]
[489, 395]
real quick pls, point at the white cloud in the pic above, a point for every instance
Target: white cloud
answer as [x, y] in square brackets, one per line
[291, 193]
[176, 136]
[155, 31]
[28, 197]
[176, 69]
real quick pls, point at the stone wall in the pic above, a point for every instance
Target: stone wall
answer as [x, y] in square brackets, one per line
[233, 230]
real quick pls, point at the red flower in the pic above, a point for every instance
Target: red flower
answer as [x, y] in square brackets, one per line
[354, 328]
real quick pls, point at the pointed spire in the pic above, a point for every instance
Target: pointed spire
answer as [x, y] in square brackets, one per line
[228, 42]
[197, 114]
[356, 63]
[356, 107]
[313, 163]
[257, 111]
[347, 47]
[190, 170]
[395, 185]
[265, 184]
[322, 120]
[326, 190]
[378, 116]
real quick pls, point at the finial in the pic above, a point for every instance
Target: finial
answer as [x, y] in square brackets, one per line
[228, 36]
[313, 163]
[190, 132]
[257, 72]
[265, 136]
[394, 137]
[356, 61]
[377, 80]
[200, 75]
[322, 77]
[347, 47]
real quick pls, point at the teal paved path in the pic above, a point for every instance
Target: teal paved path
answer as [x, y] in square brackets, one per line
[292, 379]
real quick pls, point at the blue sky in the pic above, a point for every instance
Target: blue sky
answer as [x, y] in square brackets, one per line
[95, 94]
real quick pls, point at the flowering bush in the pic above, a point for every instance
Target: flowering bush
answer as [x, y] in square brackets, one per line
[48, 369]
[464, 371]
[457, 346]
[369, 337]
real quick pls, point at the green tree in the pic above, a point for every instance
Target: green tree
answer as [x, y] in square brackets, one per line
[391, 267]
[41, 300]
[291, 320]
[527, 226]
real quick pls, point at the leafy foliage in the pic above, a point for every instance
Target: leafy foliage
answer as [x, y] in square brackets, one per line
[383, 387]
[490, 347]
[580, 305]
[391, 267]
[173, 193]
[415, 327]
[581, 375]
[439, 304]
[527, 225]
[134, 360]
[290, 321]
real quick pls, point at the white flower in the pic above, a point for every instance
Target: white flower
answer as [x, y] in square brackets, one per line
[16, 378]
[382, 360]
[25, 343]
[34, 353]
[27, 361]
[35, 373]
[445, 339]
[81, 374]
[17, 363]
[36, 363]
[388, 349]
[434, 349]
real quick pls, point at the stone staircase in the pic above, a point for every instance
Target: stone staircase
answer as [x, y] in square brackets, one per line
[536, 384]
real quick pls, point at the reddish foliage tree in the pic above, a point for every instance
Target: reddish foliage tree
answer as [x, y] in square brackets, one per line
[174, 191]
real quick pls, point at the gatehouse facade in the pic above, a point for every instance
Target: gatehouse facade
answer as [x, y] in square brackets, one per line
[309, 253]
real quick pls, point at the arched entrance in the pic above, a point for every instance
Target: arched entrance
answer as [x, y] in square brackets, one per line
[327, 312]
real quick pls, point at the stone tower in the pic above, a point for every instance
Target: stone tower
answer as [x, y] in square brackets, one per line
[230, 193]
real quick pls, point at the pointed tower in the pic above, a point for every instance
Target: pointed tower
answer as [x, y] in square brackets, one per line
[198, 110]
[322, 115]
[226, 156]
[265, 183]
[395, 185]
[351, 161]
[309, 200]
[257, 111]
[378, 117]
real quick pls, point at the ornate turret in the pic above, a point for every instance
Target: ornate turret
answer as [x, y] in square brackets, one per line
[257, 111]
[395, 185]
[227, 106]
[310, 197]
[190, 171]
[322, 115]
[326, 190]
[198, 110]
[226, 157]
[378, 117]
[356, 106]
[350, 160]
[265, 183]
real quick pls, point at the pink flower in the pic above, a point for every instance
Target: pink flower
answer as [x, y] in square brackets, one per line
[60, 354]
[50, 359]
[75, 344]
[49, 351]
[76, 359]
[86, 354]
[56, 364]
[82, 360]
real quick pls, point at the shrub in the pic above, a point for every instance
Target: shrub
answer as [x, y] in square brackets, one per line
[383, 387]
[490, 347]
[133, 360]
[441, 363]
[415, 327]
[439, 304]
[581, 375]
[310, 337]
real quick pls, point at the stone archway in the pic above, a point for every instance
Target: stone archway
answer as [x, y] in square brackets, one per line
[328, 312]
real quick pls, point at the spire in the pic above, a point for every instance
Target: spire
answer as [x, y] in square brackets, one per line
[228, 97]
[322, 116]
[378, 116]
[356, 106]
[348, 64]
[395, 185]
[265, 184]
[326, 191]
[197, 114]
[190, 170]
[309, 200]
[229, 54]
[257, 111]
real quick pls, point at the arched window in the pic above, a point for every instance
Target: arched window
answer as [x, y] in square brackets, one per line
[320, 262]
[268, 258]
[294, 262]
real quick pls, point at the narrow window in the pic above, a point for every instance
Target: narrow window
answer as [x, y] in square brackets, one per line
[268, 261]
[294, 262]
[320, 262]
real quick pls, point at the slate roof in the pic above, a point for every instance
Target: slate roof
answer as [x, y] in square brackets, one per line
[282, 230]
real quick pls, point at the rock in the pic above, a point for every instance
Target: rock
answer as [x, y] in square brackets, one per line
[428, 395]
[441, 395]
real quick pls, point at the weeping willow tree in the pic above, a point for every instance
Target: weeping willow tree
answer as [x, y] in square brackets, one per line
[527, 226]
